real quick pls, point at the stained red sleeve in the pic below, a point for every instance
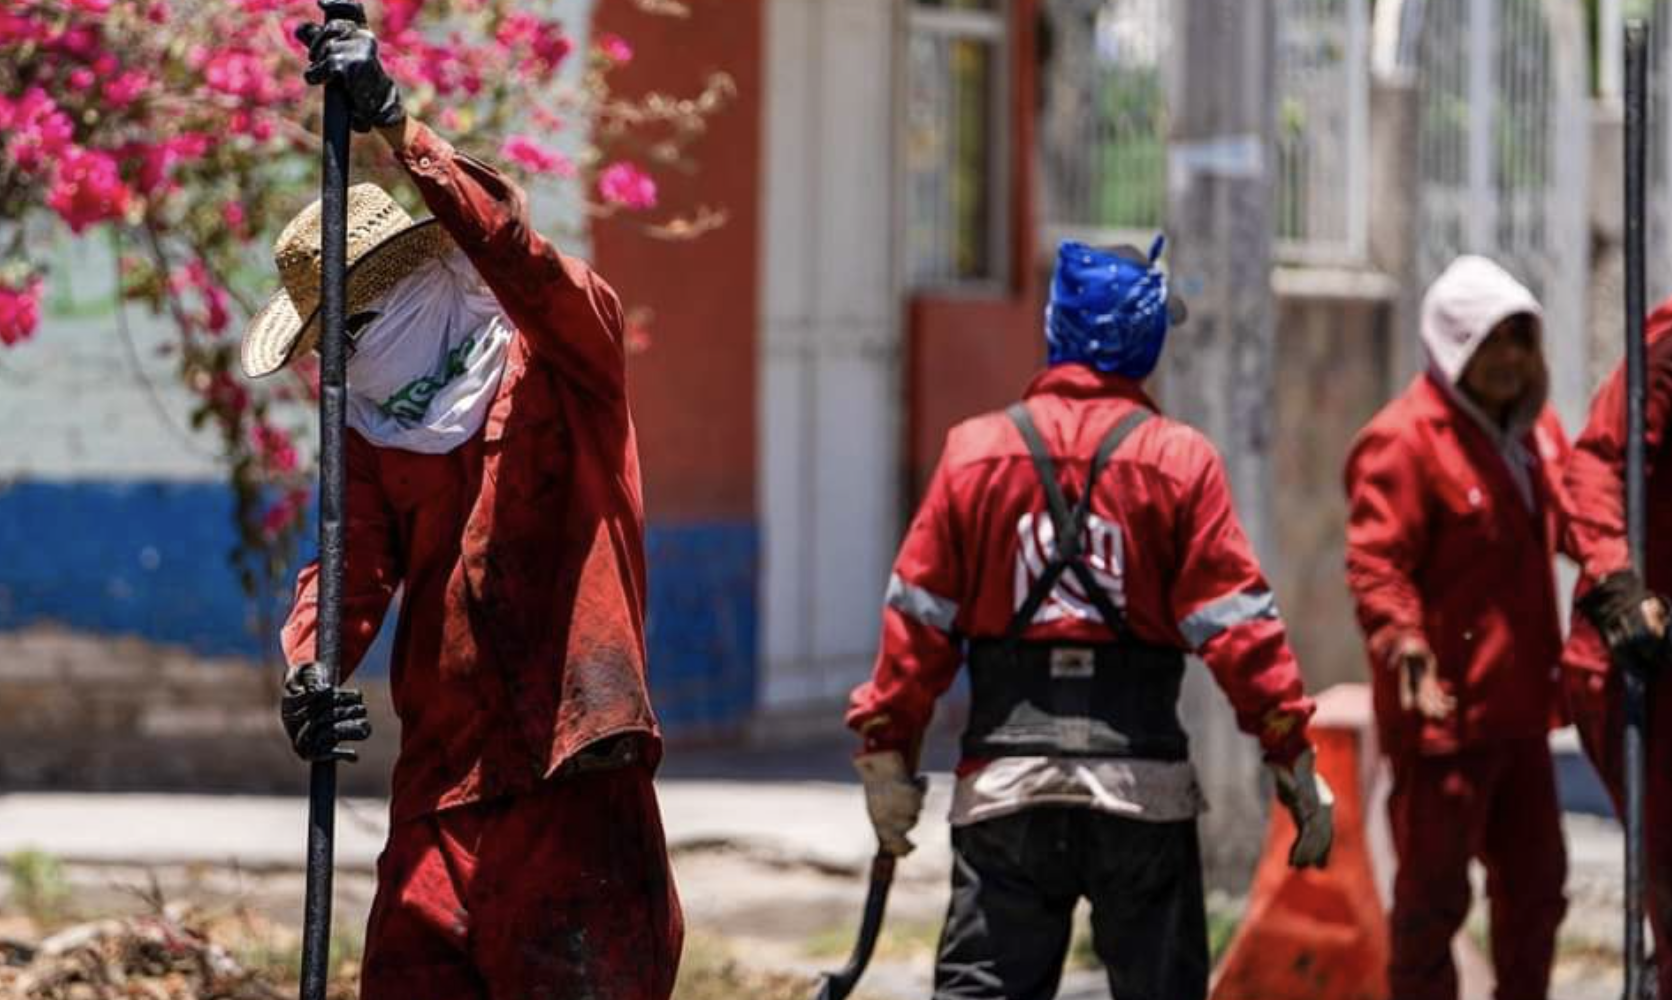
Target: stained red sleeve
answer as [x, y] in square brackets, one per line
[371, 570]
[919, 652]
[570, 315]
[1595, 478]
[1227, 614]
[1387, 533]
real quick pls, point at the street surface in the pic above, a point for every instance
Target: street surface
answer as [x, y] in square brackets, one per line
[770, 857]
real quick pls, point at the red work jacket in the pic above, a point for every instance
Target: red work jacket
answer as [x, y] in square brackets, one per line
[1163, 539]
[521, 630]
[1440, 544]
[1596, 487]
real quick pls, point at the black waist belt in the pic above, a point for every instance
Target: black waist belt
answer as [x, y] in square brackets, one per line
[1117, 698]
[1050, 699]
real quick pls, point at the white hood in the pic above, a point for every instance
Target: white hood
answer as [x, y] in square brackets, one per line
[1462, 306]
[1458, 313]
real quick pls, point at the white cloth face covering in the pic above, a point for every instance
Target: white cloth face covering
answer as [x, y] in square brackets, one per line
[422, 374]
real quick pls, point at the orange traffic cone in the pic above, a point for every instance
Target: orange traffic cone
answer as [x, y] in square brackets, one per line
[1319, 935]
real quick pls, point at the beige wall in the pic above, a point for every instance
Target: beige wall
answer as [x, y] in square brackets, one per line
[80, 713]
[1333, 374]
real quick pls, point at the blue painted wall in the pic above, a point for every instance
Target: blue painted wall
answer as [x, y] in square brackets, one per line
[150, 559]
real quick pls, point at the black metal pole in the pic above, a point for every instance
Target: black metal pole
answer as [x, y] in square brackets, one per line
[322, 790]
[1634, 683]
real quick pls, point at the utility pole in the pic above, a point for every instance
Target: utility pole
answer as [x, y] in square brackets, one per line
[1218, 369]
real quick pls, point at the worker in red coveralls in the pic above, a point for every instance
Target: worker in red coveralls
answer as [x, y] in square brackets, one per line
[1456, 515]
[1622, 620]
[493, 476]
[1072, 550]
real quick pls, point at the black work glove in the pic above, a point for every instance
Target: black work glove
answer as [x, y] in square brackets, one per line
[318, 716]
[1616, 606]
[342, 49]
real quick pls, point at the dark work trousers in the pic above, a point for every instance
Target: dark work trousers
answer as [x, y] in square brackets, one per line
[1596, 703]
[1016, 879]
[1497, 804]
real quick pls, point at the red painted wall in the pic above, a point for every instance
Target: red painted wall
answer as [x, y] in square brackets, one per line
[693, 389]
[966, 355]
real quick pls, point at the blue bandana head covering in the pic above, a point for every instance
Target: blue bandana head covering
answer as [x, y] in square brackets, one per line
[1107, 310]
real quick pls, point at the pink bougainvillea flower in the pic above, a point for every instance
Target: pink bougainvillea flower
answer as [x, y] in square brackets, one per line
[274, 448]
[551, 47]
[87, 189]
[126, 89]
[193, 276]
[91, 6]
[215, 314]
[615, 49]
[285, 8]
[225, 394]
[18, 29]
[81, 78]
[547, 119]
[232, 213]
[20, 312]
[626, 186]
[524, 151]
[545, 41]
[156, 160]
[397, 16]
[81, 41]
[284, 512]
[240, 73]
[39, 131]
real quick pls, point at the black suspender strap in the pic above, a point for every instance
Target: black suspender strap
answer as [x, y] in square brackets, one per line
[1069, 525]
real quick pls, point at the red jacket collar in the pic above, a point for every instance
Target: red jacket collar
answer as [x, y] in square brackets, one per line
[1085, 382]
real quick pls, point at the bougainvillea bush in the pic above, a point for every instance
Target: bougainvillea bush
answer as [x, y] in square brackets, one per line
[181, 130]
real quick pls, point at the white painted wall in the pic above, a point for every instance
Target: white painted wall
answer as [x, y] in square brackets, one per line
[829, 393]
[78, 402]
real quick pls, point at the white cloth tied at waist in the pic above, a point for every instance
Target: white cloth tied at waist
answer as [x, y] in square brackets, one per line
[1155, 791]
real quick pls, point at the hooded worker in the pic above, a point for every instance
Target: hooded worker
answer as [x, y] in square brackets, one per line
[1072, 550]
[1455, 518]
[1622, 620]
[492, 476]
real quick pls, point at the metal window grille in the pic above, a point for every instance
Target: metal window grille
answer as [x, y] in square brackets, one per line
[1323, 130]
[1104, 125]
[1103, 117]
[955, 135]
[1486, 141]
[1659, 222]
[1503, 146]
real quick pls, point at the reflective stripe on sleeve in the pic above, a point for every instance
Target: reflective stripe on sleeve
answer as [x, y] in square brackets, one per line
[1202, 625]
[914, 602]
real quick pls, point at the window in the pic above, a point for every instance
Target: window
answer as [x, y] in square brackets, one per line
[1103, 118]
[954, 143]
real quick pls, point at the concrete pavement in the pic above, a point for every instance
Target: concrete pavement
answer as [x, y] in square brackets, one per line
[803, 827]
[819, 823]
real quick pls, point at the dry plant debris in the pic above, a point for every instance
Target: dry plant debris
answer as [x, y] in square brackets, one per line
[167, 955]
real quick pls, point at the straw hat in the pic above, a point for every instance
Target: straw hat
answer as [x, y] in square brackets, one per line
[384, 246]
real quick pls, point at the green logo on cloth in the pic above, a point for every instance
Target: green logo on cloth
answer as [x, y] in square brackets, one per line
[409, 403]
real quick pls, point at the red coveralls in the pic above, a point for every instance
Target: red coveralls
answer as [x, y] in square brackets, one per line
[1189, 577]
[520, 863]
[1441, 545]
[1596, 489]
[1163, 534]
